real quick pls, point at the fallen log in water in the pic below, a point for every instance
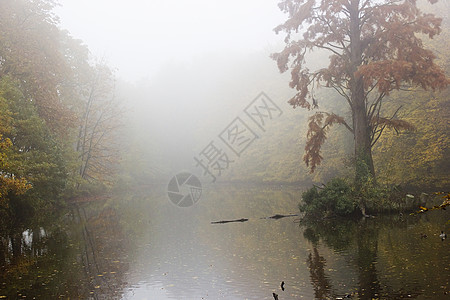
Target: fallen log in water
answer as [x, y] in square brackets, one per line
[230, 221]
[277, 216]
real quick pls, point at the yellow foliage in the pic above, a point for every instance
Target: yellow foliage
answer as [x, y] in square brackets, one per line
[9, 182]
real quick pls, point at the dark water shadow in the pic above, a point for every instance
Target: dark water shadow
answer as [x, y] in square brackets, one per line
[75, 254]
[373, 248]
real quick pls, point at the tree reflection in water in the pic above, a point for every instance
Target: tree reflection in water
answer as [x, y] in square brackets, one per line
[90, 252]
[78, 255]
[358, 240]
[319, 281]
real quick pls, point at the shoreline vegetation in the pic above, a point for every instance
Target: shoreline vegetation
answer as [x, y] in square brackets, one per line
[369, 77]
[66, 133]
[340, 198]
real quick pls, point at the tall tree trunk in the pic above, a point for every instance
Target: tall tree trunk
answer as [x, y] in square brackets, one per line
[363, 149]
[364, 168]
[361, 126]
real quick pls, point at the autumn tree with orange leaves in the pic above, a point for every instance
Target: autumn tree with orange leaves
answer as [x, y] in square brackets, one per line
[375, 47]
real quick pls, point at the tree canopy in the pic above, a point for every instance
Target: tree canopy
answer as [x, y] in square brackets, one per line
[56, 132]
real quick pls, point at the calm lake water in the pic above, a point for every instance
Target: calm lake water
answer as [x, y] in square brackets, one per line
[141, 246]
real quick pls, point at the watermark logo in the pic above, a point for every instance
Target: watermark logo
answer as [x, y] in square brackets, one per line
[262, 110]
[229, 145]
[238, 136]
[184, 189]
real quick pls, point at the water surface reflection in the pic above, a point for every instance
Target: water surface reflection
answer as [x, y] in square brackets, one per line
[370, 259]
[141, 246]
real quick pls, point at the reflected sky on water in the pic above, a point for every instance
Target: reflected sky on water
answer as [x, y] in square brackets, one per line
[142, 246]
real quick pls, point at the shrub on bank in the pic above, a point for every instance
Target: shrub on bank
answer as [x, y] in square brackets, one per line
[341, 198]
[335, 198]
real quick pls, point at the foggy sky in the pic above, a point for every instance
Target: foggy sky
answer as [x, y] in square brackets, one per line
[138, 37]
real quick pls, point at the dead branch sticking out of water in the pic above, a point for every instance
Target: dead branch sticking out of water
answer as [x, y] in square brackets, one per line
[230, 221]
[275, 217]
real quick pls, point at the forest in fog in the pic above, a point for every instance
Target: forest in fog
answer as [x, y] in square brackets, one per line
[318, 128]
[71, 126]
[224, 85]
